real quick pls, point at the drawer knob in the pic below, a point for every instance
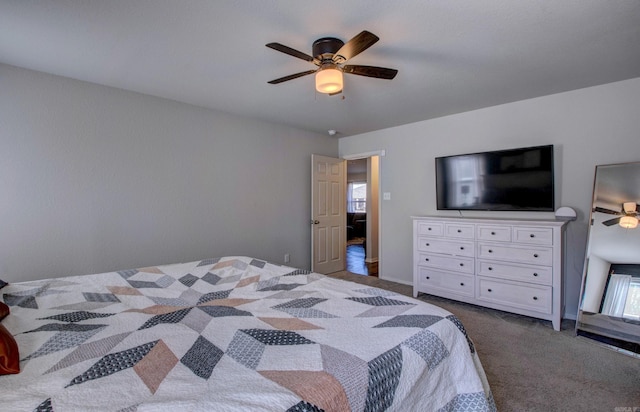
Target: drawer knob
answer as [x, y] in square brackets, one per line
[493, 233]
[461, 264]
[488, 290]
[429, 228]
[535, 255]
[461, 247]
[490, 268]
[426, 259]
[459, 231]
[532, 235]
[490, 251]
[535, 298]
[428, 278]
[535, 274]
[461, 284]
[426, 244]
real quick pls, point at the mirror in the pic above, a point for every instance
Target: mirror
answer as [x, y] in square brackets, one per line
[609, 310]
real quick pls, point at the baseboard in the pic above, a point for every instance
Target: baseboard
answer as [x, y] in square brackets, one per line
[402, 282]
[372, 260]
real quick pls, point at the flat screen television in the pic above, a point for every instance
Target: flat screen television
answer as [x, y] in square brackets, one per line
[516, 179]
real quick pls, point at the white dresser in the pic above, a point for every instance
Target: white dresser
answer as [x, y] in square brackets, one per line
[505, 264]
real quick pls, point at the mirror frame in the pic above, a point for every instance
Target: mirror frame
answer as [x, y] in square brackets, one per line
[621, 345]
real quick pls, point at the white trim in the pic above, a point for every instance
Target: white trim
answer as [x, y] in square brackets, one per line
[400, 281]
[364, 155]
[382, 153]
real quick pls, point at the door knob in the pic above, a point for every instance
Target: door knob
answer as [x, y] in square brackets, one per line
[315, 222]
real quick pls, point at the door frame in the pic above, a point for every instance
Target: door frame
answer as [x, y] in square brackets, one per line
[364, 155]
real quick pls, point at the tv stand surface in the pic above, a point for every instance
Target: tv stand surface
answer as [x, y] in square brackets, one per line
[514, 265]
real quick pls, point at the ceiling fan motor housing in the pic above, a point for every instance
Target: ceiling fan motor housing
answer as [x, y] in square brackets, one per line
[326, 47]
[629, 207]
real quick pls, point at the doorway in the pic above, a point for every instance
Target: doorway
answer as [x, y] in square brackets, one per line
[362, 215]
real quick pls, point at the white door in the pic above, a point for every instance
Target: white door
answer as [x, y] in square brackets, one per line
[328, 214]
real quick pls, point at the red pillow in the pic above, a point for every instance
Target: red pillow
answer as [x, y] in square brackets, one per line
[9, 357]
[4, 310]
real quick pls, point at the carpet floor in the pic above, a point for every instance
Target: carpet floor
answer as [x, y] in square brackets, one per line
[531, 367]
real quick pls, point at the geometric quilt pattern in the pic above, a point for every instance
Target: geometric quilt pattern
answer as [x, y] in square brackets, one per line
[114, 362]
[233, 333]
[384, 377]
[460, 326]
[78, 316]
[202, 357]
[44, 406]
[466, 402]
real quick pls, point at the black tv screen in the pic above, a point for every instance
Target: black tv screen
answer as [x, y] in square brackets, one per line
[515, 179]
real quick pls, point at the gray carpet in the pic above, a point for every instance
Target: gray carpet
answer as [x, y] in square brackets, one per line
[531, 367]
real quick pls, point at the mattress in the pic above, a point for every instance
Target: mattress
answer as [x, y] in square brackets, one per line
[234, 333]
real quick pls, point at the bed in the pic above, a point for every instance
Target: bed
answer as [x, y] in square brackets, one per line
[233, 333]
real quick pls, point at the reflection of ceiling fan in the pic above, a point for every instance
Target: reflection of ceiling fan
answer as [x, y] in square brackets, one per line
[628, 215]
[330, 54]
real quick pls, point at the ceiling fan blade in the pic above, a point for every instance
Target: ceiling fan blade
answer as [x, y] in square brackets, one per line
[611, 222]
[288, 50]
[355, 46]
[607, 211]
[371, 71]
[291, 77]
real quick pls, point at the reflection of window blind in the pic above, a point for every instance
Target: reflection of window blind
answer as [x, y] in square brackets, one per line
[632, 306]
[616, 296]
[467, 174]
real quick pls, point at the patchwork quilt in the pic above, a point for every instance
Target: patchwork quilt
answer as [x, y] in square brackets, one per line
[234, 333]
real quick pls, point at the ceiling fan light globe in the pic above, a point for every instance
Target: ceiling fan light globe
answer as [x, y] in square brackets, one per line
[328, 80]
[628, 222]
[629, 207]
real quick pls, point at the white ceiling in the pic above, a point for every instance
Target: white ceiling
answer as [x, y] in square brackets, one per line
[452, 56]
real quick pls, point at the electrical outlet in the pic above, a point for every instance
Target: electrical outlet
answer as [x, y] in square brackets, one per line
[287, 258]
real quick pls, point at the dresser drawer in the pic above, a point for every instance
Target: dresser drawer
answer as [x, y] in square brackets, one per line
[494, 233]
[453, 263]
[528, 273]
[429, 228]
[530, 297]
[520, 254]
[533, 235]
[447, 247]
[460, 231]
[433, 281]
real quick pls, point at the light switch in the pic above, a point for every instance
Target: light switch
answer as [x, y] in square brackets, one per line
[386, 196]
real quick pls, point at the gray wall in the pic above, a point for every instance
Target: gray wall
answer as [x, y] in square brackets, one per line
[94, 179]
[597, 125]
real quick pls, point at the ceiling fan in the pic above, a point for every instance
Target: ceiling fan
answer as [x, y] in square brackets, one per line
[330, 54]
[628, 216]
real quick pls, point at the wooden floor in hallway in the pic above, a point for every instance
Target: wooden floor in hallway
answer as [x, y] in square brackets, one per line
[356, 261]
